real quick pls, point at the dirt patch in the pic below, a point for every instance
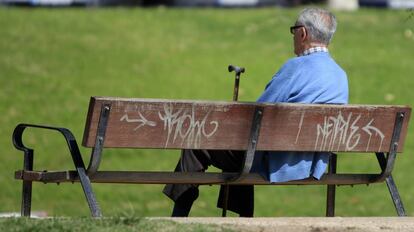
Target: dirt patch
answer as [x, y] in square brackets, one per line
[309, 224]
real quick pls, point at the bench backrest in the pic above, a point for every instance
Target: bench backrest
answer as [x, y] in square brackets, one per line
[180, 124]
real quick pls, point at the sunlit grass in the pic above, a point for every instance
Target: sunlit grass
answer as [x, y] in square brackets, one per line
[53, 60]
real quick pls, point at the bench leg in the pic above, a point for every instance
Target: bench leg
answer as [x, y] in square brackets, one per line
[395, 196]
[331, 190]
[226, 200]
[90, 196]
[26, 199]
[85, 181]
[27, 185]
[396, 199]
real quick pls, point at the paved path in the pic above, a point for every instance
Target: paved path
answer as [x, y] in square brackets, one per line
[309, 224]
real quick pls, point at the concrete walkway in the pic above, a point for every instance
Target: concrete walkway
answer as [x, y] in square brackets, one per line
[309, 224]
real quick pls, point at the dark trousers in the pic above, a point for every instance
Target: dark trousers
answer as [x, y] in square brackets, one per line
[241, 198]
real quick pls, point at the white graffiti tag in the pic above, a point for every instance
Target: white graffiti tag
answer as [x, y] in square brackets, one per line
[183, 124]
[142, 121]
[340, 131]
[368, 128]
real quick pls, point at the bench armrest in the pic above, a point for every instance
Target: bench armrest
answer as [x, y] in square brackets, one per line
[67, 134]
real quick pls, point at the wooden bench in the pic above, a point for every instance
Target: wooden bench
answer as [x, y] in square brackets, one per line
[179, 124]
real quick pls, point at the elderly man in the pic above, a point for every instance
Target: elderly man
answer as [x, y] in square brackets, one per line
[311, 77]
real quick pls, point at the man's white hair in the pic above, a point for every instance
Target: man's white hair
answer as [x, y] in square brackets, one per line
[319, 23]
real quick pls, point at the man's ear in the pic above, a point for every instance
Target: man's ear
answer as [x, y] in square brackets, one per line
[303, 33]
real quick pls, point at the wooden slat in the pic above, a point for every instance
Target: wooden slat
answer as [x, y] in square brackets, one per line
[154, 123]
[130, 177]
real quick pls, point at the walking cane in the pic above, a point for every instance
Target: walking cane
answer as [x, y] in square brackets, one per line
[238, 71]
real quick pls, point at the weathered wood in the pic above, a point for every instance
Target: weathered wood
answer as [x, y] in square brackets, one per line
[133, 177]
[154, 123]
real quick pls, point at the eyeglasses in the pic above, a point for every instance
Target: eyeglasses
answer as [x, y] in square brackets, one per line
[293, 28]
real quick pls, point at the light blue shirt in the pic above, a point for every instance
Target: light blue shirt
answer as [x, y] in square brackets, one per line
[313, 78]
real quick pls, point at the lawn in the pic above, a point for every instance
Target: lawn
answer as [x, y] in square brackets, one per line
[53, 60]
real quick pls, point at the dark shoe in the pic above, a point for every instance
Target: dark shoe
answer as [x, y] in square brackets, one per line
[184, 203]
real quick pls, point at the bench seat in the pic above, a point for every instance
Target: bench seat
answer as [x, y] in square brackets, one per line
[132, 177]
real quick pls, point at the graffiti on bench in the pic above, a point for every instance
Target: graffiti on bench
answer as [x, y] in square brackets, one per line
[344, 131]
[179, 123]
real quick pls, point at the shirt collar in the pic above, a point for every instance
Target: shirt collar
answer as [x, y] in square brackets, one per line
[314, 50]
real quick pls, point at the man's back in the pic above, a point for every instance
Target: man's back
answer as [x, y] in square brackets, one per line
[313, 78]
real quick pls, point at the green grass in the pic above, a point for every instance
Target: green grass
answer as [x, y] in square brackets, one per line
[53, 60]
[121, 224]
